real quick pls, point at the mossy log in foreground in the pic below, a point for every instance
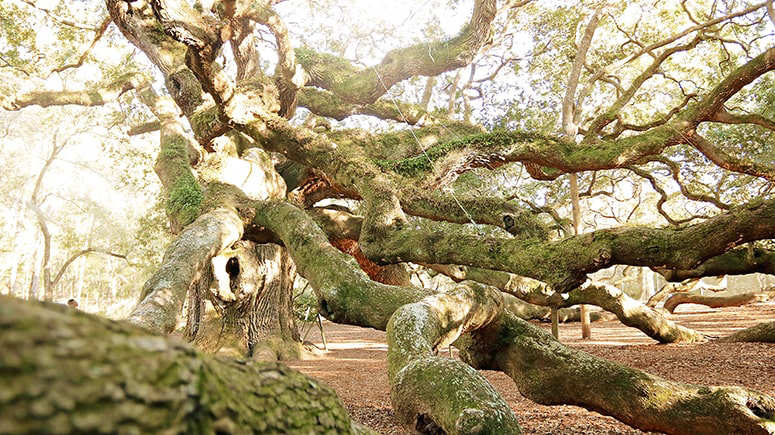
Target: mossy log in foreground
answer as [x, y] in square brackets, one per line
[64, 371]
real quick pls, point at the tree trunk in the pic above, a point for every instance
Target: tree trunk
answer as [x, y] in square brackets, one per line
[14, 258]
[677, 299]
[254, 295]
[34, 288]
[271, 322]
[586, 328]
[70, 372]
[185, 260]
[197, 304]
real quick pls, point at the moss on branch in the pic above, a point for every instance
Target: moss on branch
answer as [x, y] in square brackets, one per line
[550, 373]
[366, 85]
[564, 264]
[184, 194]
[324, 103]
[185, 199]
[738, 261]
[436, 392]
[65, 371]
[345, 293]
[495, 143]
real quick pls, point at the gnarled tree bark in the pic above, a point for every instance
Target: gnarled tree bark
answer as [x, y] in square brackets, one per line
[65, 371]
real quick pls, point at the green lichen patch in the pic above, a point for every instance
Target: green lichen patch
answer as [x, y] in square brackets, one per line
[206, 119]
[497, 141]
[173, 148]
[184, 199]
[337, 69]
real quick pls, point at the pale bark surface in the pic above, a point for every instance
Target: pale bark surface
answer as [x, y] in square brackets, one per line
[676, 299]
[184, 262]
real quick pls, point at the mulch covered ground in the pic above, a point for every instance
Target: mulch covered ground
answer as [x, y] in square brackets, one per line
[355, 367]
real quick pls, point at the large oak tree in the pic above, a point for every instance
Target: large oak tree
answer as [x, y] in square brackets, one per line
[683, 94]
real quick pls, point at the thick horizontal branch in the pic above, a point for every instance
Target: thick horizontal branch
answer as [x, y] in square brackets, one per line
[441, 163]
[549, 373]
[443, 206]
[564, 264]
[633, 313]
[345, 293]
[676, 299]
[65, 371]
[629, 311]
[365, 86]
[738, 261]
[325, 103]
[91, 97]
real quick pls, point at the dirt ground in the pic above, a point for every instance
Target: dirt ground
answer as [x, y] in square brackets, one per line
[355, 367]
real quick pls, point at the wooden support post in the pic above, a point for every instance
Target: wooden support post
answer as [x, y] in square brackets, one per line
[586, 327]
[322, 333]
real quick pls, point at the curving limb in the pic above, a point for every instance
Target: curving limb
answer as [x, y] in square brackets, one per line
[549, 373]
[365, 86]
[458, 400]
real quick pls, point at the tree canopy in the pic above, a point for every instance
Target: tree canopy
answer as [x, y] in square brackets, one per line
[461, 150]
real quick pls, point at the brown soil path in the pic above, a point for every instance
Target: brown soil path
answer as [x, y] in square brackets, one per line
[355, 367]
